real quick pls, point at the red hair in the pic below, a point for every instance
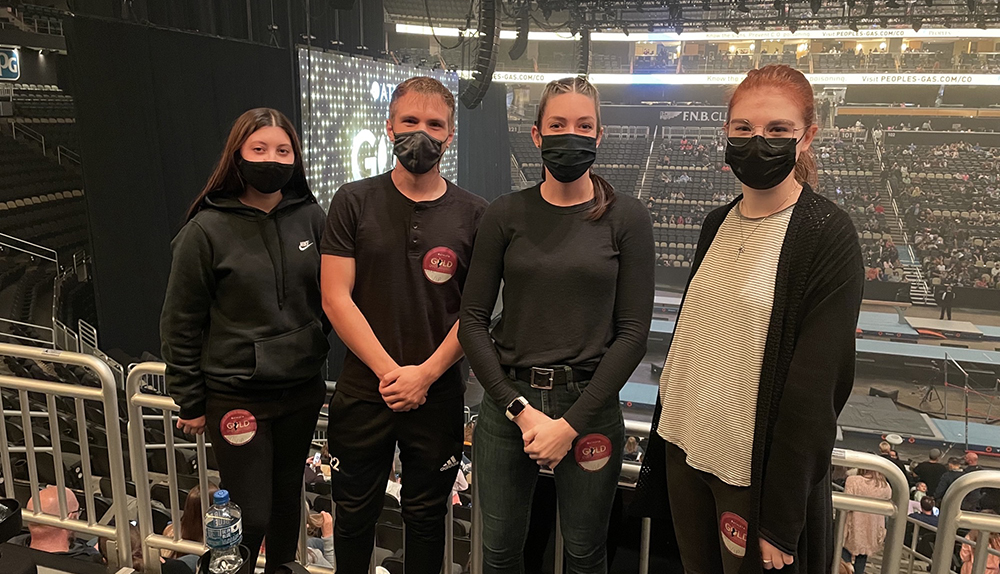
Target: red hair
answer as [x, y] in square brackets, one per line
[793, 84]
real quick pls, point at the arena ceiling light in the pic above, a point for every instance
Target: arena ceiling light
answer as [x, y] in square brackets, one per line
[971, 5]
[917, 24]
[734, 28]
[793, 26]
[742, 7]
[853, 26]
[815, 5]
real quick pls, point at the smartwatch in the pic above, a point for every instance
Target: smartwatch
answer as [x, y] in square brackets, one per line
[516, 407]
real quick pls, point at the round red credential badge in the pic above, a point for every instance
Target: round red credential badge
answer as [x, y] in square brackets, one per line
[734, 533]
[440, 265]
[592, 452]
[238, 427]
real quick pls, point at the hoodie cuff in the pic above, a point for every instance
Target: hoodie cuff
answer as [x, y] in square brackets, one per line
[192, 411]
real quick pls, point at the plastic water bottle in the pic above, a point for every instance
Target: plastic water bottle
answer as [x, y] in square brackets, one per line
[223, 534]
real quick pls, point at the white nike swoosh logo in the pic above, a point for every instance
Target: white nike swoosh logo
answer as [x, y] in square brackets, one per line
[306, 246]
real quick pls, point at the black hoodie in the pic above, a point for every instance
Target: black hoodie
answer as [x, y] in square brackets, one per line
[243, 310]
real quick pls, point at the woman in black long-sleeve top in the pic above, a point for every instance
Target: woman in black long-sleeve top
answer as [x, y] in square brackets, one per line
[762, 357]
[577, 266]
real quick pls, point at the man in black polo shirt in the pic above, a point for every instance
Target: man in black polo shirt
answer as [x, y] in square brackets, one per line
[396, 251]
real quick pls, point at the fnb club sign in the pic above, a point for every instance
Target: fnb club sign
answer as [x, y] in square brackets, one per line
[10, 67]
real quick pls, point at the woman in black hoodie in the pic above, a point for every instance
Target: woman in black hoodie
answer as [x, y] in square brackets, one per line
[242, 326]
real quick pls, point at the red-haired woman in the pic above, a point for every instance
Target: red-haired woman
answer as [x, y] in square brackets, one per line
[762, 358]
[243, 326]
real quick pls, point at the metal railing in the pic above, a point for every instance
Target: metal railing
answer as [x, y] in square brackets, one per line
[952, 518]
[895, 509]
[64, 153]
[106, 395]
[28, 133]
[150, 375]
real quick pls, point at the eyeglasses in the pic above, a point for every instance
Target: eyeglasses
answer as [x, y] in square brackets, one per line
[776, 134]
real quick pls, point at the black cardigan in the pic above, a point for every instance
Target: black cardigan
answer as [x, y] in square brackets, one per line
[806, 376]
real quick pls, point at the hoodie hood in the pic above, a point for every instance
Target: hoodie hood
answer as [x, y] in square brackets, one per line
[226, 201]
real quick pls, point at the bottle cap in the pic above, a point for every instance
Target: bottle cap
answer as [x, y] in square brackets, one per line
[221, 497]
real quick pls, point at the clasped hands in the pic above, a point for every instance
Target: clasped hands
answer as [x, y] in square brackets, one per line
[546, 440]
[405, 388]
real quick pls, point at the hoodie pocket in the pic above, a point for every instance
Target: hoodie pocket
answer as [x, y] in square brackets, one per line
[295, 355]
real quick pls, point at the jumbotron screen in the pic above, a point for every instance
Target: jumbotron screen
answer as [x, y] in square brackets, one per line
[345, 102]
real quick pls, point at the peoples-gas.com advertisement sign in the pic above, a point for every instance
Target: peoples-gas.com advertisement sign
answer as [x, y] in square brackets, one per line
[10, 66]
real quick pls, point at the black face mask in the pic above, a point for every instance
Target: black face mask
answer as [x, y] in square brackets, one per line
[568, 156]
[417, 151]
[266, 176]
[760, 164]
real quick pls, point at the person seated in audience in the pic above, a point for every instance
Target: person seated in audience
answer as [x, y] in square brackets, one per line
[191, 522]
[52, 539]
[684, 178]
[919, 491]
[926, 514]
[319, 541]
[632, 450]
[951, 475]
[395, 485]
[992, 560]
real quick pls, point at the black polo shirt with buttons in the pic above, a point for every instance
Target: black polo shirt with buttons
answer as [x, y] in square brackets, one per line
[411, 259]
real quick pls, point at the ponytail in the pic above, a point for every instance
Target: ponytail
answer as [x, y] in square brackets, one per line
[604, 197]
[805, 169]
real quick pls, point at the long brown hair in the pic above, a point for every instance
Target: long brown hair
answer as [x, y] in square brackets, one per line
[193, 515]
[604, 192]
[874, 475]
[793, 84]
[226, 176]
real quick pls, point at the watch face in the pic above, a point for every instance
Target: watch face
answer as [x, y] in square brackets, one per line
[516, 408]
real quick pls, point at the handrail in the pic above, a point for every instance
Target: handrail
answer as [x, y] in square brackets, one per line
[41, 251]
[70, 155]
[30, 133]
[108, 397]
[895, 509]
[151, 542]
[952, 518]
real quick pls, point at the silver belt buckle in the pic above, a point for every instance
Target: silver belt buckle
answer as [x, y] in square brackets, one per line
[545, 375]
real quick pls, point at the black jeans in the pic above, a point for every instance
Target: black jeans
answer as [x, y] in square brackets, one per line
[362, 442]
[262, 468]
[709, 517]
[945, 309]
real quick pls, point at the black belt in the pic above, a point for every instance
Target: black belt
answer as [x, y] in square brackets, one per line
[545, 378]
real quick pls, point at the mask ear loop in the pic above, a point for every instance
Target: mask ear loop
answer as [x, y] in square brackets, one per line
[237, 159]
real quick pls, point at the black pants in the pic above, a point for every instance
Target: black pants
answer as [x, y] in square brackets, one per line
[362, 442]
[262, 469]
[945, 309]
[709, 517]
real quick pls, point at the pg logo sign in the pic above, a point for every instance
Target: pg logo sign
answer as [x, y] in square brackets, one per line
[10, 67]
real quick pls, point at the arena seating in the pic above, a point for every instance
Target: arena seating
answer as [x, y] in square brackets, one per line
[988, 63]
[913, 61]
[40, 200]
[786, 58]
[35, 101]
[947, 194]
[57, 131]
[664, 63]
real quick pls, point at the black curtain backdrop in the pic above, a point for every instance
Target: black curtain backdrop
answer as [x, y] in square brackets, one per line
[484, 146]
[154, 107]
